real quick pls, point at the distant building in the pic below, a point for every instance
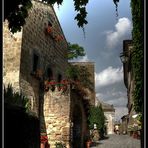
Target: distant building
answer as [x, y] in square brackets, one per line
[109, 113]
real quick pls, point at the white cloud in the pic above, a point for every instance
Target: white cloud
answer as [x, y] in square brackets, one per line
[123, 27]
[109, 76]
[118, 102]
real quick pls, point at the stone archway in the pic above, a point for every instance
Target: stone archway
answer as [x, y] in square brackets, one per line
[77, 127]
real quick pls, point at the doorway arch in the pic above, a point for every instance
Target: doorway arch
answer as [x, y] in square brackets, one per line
[77, 127]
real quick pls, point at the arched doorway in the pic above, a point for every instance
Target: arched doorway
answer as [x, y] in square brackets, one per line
[77, 127]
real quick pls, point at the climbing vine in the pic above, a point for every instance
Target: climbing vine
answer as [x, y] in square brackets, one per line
[138, 54]
[80, 74]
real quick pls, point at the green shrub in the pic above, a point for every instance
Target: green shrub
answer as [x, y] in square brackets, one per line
[60, 145]
[15, 98]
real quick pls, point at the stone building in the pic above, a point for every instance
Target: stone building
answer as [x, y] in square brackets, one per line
[35, 64]
[128, 78]
[109, 113]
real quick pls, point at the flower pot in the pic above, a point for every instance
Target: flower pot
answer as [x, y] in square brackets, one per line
[88, 143]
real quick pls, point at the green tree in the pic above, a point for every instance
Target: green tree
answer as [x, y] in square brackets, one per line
[96, 116]
[74, 51]
[16, 13]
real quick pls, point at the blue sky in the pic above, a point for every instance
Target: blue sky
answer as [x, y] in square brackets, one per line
[103, 44]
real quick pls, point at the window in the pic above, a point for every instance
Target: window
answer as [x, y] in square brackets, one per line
[35, 62]
[59, 77]
[51, 18]
[49, 74]
[49, 24]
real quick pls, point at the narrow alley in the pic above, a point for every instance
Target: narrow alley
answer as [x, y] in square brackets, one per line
[118, 141]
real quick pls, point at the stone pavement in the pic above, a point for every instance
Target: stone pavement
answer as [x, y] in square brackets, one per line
[118, 141]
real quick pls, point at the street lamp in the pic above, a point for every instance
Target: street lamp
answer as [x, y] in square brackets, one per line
[123, 57]
[134, 116]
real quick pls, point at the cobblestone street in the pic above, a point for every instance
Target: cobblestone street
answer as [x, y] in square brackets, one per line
[118, 141]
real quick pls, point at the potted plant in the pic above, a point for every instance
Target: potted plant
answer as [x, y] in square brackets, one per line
[60, 145]
[88, 141]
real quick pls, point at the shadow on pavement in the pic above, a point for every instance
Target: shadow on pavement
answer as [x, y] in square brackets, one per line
[95, 144]
[104, 138]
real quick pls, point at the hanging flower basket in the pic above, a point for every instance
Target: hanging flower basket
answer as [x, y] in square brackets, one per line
[48, 30]
[58, 38]
[52, 84]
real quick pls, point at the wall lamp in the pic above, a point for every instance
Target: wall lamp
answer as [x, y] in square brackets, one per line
[123, 57]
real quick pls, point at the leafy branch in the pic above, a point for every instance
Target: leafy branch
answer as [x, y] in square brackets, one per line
[74, 51]
[15, 98]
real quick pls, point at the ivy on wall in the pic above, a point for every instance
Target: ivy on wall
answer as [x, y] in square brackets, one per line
[80, 74]
[138, 54]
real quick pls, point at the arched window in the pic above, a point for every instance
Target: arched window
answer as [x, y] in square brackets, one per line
[49, 74]
[35, 62]
[59, 78]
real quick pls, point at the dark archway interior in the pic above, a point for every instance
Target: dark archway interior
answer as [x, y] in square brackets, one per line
[77, 127]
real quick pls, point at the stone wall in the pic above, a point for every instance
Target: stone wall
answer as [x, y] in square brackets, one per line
[56, 113]
[11, 57]
[54, 107]
[62, 114]
[51, 53]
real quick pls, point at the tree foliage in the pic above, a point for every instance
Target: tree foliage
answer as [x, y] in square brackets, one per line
[74, 51]
[15, 98]
[18, 12]
[96, 116]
